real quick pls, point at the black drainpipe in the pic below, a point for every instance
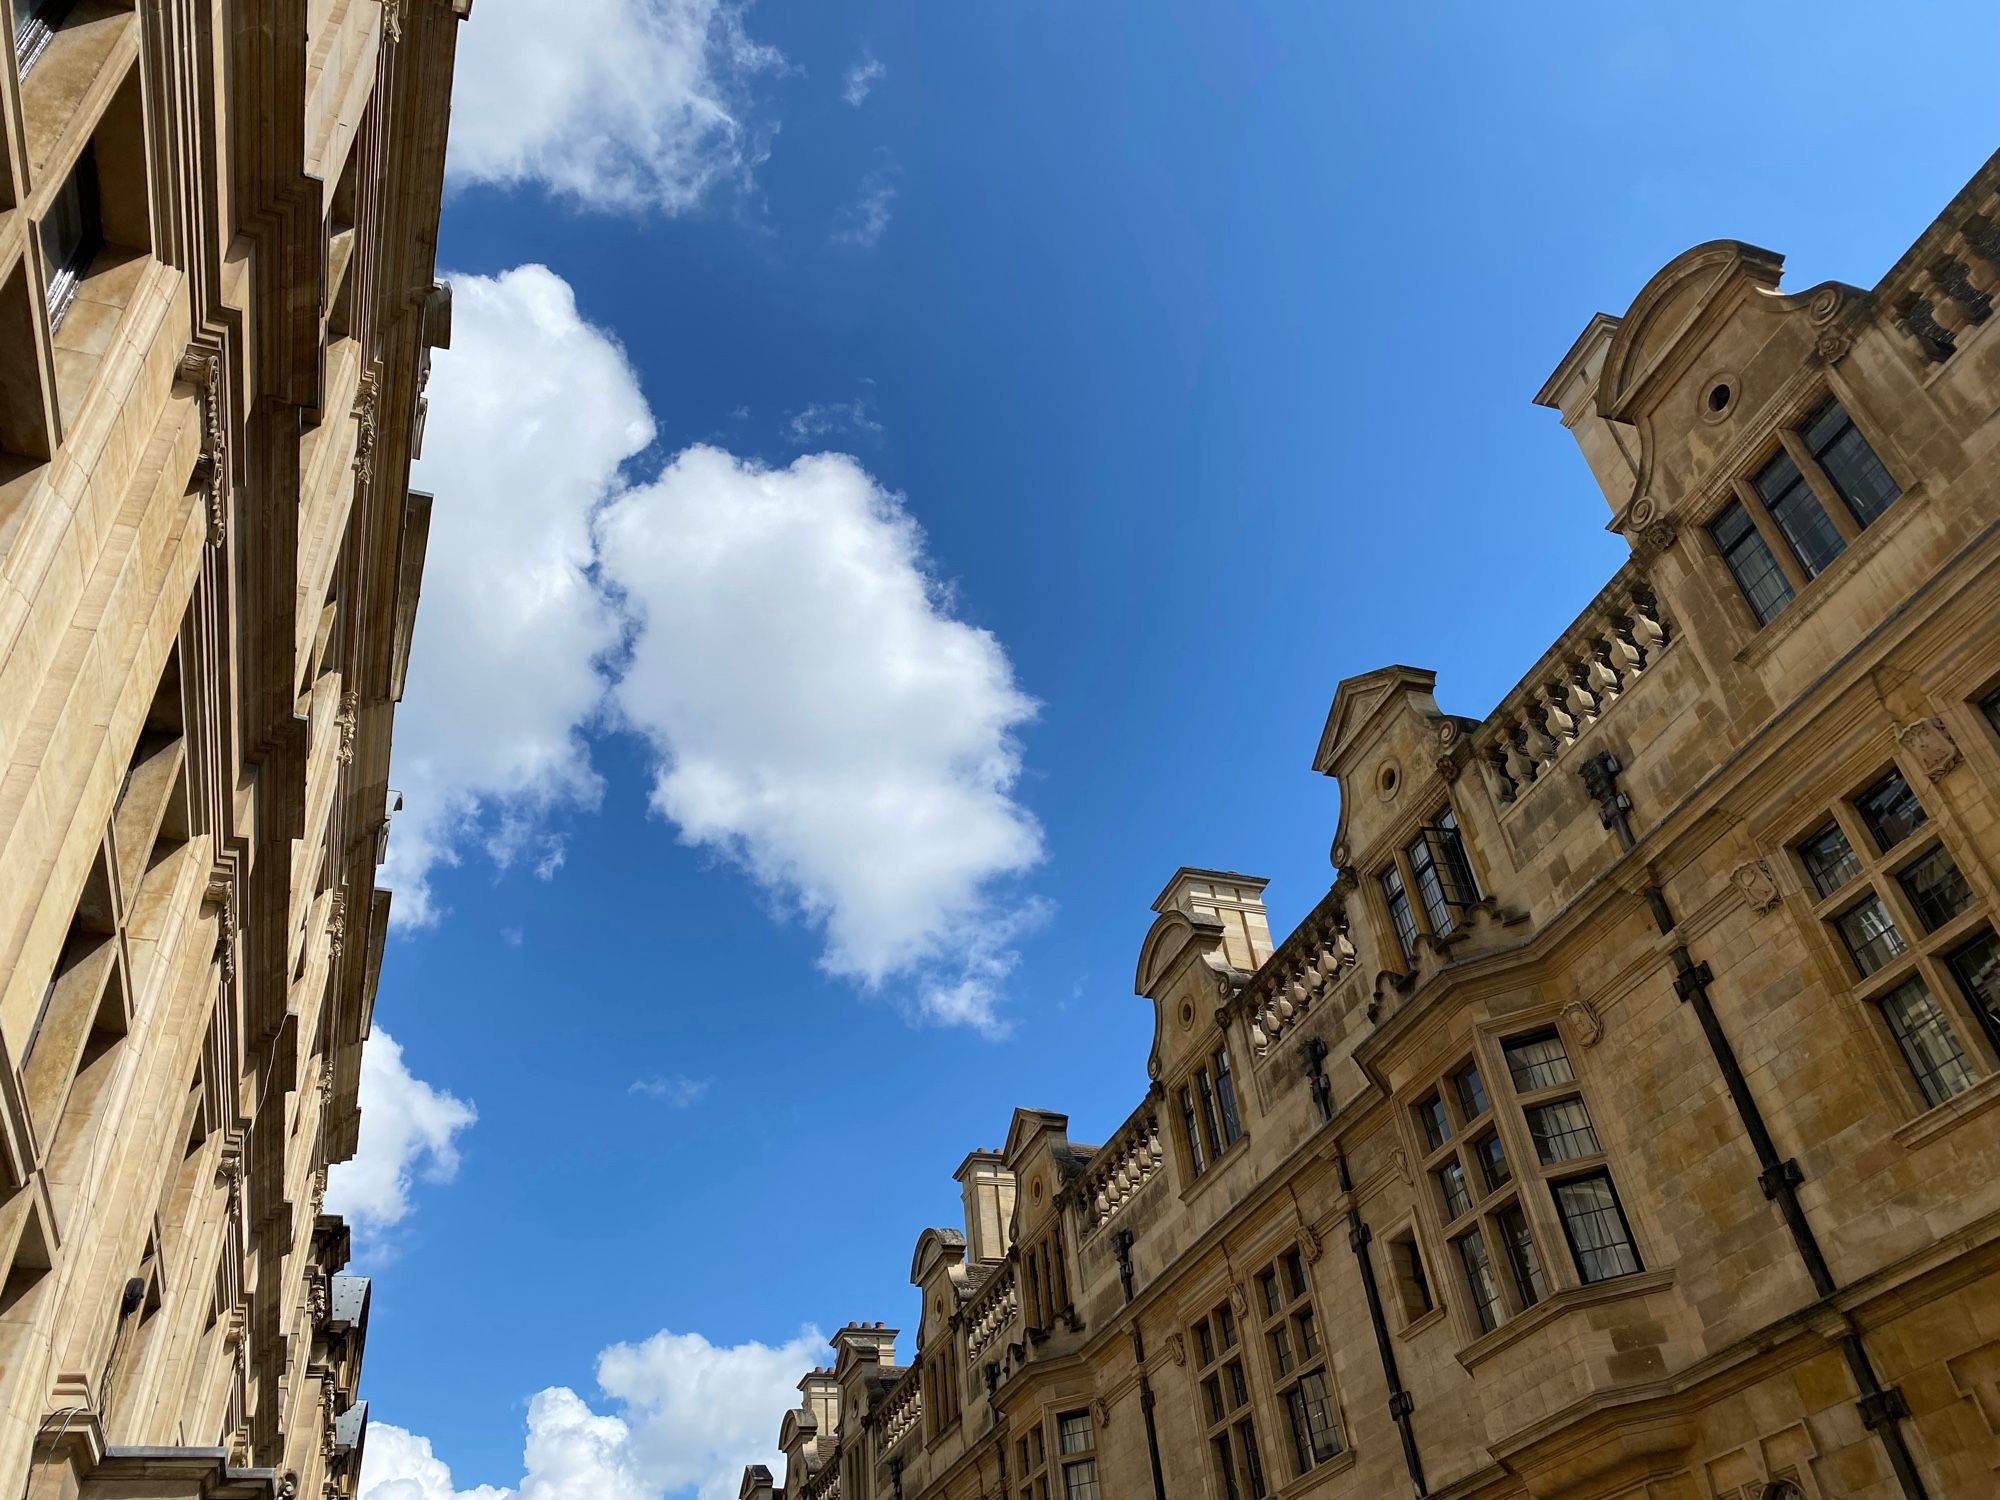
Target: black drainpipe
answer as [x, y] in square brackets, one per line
[1122, 1243]
[1883, 1409]
[1400, 1404]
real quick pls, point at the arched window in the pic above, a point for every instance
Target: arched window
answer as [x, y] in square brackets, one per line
[1783, 1489]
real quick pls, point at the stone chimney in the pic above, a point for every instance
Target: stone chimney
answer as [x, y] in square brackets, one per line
[869, 1343]
[989, 1205]
[757, 1484]
[1236, 901]
[822, 1398]
[1610, 448]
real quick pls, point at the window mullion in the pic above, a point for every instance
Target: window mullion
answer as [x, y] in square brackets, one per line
[1775, 540]
[1829, 498]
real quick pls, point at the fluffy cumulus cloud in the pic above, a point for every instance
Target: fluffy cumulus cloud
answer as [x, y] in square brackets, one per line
[532, 413]
[690, 1414]
[616, 105]
[820, 714]
[409, 1132]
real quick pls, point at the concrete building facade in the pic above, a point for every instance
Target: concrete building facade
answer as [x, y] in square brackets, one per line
[1621, 1122]
[218, 224]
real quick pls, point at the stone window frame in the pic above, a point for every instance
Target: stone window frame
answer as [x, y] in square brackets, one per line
[1284, 1302]
[1787, 442]
[1874, 873]
[1402, 880]
[1206, 1106]
[1072, 1462]
[1411, 1276]
[1505, 1230]
[1226, 1404]
[1031, 1460]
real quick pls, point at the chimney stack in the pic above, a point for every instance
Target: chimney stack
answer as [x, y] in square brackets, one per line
[1236, 901]
[989, 1205]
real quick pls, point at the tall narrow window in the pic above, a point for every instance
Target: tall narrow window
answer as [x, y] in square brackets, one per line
[1077, 1446]
[1806, 527]
[1829, 859]
[1598, 1236]
[71, 235]
[1444, 875]
[1297, 1362]
[1891, 810]
[1225, 1098]
[1399, 911]
[1197, 1160]
[1851, 466]
[1930, 1049]
[1756, 571]
[1223, 1394]
[1480, 1281]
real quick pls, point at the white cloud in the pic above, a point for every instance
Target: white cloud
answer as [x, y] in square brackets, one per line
[532, 412]
[822, 419]
[821, 716]
[863, 222]
[409, 1131]
[862, 78]
[691, 1415]
[615, 104]
[678, 1091]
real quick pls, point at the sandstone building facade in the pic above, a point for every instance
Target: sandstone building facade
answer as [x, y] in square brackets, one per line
[217, 300]
[1621, 1122]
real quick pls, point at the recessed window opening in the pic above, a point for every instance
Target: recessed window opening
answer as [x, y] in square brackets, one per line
[72, 234]
[35, 22]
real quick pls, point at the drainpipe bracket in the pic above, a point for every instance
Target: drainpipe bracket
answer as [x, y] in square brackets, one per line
[1777, 1179]
[1879, 1408]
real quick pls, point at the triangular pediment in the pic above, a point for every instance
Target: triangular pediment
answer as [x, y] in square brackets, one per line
[1356, 703]
[1028, 1126]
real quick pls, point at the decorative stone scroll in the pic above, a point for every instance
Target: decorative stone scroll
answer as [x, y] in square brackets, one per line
[1581, 1022]
[201, 368]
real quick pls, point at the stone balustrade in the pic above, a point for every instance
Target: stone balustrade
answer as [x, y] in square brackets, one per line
[1950, 288]
[1598, 660]
[896, 1418]
[825, 1485]
[992, 1309]
[1298, 975]
[1124, 1164]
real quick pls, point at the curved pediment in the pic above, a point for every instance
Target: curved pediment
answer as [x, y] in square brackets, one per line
[934, 1245]
[1166, 940]
[1668, 318]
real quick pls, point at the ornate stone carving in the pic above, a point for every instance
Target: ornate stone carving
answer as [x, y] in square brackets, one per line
[1581, 1021]
[1240, 1300]
[1824, 304]
[392, 19]
[1100, 1413]
[317, 1193]
[1341, 854]
[1657, 537]
[1402, 1164]
[336, 927]
[349, 722]
[1310, 1245]
[1931, 744]
[202, 368]
[1832, 345]
[1177, 1348]
[1758, 885]
[365, 399]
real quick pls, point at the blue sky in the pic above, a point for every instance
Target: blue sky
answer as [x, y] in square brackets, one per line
[909, 477]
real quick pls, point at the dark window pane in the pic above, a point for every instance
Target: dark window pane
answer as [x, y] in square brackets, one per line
[1225, 1093]
[1562, 1131]
[1295, 1274]
[1453, 867]
[1195, 1157]
[1829, 859]
[1471, 1091]
[1976, 967]
[1239, 1387]
[1990, 706]
[1451, 1185]
[1936, 890]
[1756, 571]
[70, 236]
[1538, 1062]
[1891, 810]
[1480, 1280]
[1307, 1327]
[1930, 1049]
[1598, 1236]
[1212, 1390]
[1225, 1467]
[1399, 910]
[1414, 1273]
[1795, 508]
[1281, 1350]
[1315, 1435]
[1211, 1131]
[1870, 934]
[1080, 1480]
[1253, 1462]
[1206, 1341]
[1225, 1325]
[1523, 1262]
[1493, 1161]
[1851, 466]
[1431, 1117]
[1430, 887]
[1267, 1290]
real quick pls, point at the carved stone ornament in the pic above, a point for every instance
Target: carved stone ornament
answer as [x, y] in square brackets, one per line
[288, 1487]
[1659, 536]
[1931, 744]
[364, 439]
[349, 722]
[1402, 1164]
[1240, 1300]
[1833, 345]
[1100, 1413]
[202, 369]
[1341, 854]
[1582, 1022]
[1309, 1244]
[1758, 885]
[1825, 303]
[1177, 1348]
[1644, 509]
[392, 19]
[1446, 768]
[336, 930]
